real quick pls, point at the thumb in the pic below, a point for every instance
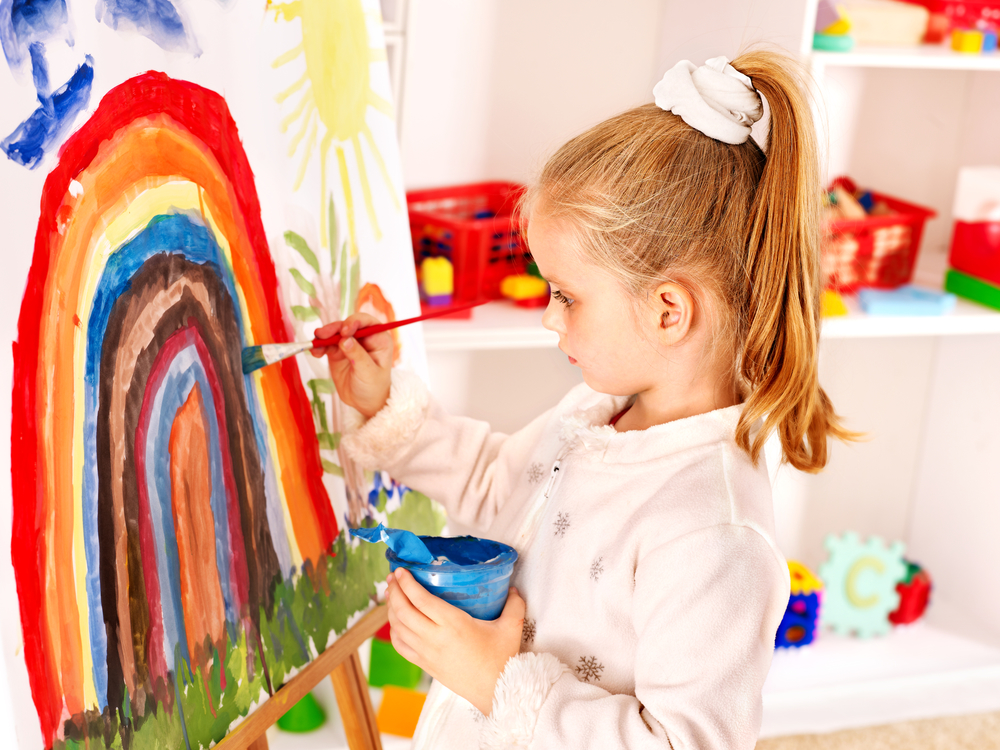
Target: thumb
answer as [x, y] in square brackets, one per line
[515, 607]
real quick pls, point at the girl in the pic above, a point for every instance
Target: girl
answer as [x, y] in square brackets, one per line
[683, 265]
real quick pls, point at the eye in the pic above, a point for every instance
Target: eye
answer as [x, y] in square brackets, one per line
[560, 297]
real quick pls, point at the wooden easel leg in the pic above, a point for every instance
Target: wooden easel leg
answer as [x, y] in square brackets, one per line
[258, 744]
[355, 704]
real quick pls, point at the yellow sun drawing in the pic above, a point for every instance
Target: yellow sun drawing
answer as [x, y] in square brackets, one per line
[334, 96]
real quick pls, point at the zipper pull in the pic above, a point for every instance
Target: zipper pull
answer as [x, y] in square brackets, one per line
[552, 478]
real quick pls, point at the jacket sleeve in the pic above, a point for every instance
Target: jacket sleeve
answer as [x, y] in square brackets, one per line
[457, 461]
[706, 608]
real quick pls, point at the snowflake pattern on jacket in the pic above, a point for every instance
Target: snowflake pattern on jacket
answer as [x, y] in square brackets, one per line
[528, 631]
[561, 523]
[596, 568]
[589, 669]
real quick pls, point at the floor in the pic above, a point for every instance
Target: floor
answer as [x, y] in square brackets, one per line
[975, 732]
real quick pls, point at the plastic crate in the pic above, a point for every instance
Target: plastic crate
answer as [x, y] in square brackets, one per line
[975, 249]
[476, 227]
[877, 251]
[965, 14]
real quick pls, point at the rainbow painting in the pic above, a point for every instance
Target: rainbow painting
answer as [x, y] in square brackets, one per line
[175, 549]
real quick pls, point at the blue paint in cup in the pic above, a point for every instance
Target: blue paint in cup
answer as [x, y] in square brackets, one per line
[474, 577]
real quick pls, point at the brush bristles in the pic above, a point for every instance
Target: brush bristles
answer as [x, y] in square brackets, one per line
[253, 359]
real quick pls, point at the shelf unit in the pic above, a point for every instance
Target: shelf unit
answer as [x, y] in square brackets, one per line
[501, 325]
[927, 57]
[931, 379]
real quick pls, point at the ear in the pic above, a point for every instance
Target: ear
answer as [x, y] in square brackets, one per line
[674, 308]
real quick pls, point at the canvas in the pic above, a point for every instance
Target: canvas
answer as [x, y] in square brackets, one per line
[181, 179]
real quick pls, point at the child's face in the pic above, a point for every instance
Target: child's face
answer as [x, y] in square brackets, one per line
[600, 326]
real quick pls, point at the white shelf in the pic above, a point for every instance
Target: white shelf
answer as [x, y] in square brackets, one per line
[497, 325]
[967, 318]
[928, 57]
[915, 672]
[500, 325]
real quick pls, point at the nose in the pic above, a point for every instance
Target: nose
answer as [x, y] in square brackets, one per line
[552, 317]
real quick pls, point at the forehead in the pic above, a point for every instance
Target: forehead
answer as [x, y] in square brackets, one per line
[556, 248]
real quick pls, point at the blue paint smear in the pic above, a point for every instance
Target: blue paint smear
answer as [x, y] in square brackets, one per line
[23, 22]
[47, 125]
[157, 20]
[184, 234]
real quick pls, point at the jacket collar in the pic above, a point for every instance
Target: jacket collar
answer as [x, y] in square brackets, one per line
[587, 431]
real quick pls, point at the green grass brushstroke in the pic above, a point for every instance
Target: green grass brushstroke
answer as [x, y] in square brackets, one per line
[310, 606]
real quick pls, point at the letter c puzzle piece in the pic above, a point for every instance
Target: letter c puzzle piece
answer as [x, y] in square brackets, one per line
[860, 579]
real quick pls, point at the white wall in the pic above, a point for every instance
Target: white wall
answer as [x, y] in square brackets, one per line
[494, 86]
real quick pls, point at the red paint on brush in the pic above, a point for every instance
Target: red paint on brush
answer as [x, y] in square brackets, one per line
[381, 327]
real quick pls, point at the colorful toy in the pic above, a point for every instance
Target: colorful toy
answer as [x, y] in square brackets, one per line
[399, 711]
[860, 579]
[304, 716]
[832, 304]
[526, 290]
[833, 29]
[914, 594]
[387, 667]
[906, 300]
[437, 280]
[969, 287]
[969, 41]
[798, 626]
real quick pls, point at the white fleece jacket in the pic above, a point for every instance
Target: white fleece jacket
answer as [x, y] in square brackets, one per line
[647, 560]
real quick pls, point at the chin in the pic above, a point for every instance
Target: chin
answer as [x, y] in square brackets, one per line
[608, 389]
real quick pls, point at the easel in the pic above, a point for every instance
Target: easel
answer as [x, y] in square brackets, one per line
[342, 663]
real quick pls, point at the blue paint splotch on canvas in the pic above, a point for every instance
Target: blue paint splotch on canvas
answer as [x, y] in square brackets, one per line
[158, 20]
[48, 124]
[25, 24]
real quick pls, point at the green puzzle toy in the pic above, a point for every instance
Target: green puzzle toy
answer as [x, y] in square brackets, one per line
[860, 579]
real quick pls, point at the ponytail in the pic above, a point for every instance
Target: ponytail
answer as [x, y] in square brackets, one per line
[779, 353]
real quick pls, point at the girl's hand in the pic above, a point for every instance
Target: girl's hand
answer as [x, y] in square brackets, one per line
[360, 369]
[465, 654]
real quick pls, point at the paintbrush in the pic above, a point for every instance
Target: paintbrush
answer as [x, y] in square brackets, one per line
[255, 357]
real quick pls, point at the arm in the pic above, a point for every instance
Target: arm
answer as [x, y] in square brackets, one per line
[457, 461]
[705, 609]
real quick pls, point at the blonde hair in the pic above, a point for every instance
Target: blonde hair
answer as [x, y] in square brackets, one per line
[653, 199]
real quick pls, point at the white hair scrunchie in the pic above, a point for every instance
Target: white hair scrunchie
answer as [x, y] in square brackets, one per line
[715, 99]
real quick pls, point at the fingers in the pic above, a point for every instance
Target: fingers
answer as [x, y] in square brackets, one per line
[403, 608]
[434, 609]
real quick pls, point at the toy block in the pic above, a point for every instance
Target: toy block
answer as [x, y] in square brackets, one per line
[972, 288]
[906, 300]
[304, 716]
[832, 304]
[437, 280]
[387, 667]
[860, 584]
[399, 711]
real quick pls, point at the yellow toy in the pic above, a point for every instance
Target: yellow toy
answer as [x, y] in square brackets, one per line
[525, 290]
[437, 280]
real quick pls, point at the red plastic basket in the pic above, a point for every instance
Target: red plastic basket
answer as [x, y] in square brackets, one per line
[878, 251]
[476, 227]
[965, 14]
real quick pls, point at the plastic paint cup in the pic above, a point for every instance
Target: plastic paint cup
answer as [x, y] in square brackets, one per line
[475, 577]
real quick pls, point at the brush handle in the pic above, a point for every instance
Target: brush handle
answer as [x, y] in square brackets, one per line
[372, 330]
